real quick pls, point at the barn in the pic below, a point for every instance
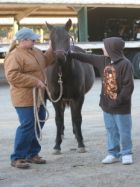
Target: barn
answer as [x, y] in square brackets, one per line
[92, 20]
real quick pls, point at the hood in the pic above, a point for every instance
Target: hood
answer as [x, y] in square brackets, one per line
[114, 47]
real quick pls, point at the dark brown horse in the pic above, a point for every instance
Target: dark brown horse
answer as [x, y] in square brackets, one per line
[77, 80]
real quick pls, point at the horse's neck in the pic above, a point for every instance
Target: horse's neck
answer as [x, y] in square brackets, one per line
[68, 67]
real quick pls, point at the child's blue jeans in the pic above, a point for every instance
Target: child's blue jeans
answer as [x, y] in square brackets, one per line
[118, 128]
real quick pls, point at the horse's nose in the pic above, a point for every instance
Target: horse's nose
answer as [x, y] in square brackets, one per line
[60, 57]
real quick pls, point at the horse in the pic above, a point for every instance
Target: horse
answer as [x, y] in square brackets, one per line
[68, 82]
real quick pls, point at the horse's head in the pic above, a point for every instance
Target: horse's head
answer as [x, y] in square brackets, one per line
[60, 40]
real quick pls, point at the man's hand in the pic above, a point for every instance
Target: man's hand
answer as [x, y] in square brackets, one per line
[40, 84]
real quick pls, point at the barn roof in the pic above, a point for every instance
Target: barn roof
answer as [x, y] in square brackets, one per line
[74, 2]
[56, 8]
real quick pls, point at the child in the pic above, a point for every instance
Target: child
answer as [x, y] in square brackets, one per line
[115, 99]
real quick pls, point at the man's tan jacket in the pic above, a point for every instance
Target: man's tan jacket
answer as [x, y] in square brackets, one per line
[23, 69]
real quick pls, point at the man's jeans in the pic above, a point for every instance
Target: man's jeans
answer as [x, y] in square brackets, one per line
[26, 144]
[118, 128]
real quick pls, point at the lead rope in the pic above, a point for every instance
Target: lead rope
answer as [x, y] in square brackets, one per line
[60, 82]
[37, 92]
[37, 121]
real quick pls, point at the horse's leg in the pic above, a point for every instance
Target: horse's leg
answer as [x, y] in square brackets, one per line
[59, 120]
[76, 107]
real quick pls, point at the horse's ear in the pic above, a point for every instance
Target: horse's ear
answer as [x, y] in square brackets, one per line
[68, 25]
[49, 26]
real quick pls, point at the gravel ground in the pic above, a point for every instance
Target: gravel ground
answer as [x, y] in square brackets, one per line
[70, 169]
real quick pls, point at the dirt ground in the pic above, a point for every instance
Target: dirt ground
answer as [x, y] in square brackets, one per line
[70, 169]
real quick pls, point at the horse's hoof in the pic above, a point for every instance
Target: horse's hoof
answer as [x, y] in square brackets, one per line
[57, 152]
[81, 150]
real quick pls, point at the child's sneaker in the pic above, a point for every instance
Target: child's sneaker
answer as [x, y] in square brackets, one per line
[109, 159]
[127, 159]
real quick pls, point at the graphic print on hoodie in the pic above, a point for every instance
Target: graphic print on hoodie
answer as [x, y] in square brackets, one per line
[109, 82]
